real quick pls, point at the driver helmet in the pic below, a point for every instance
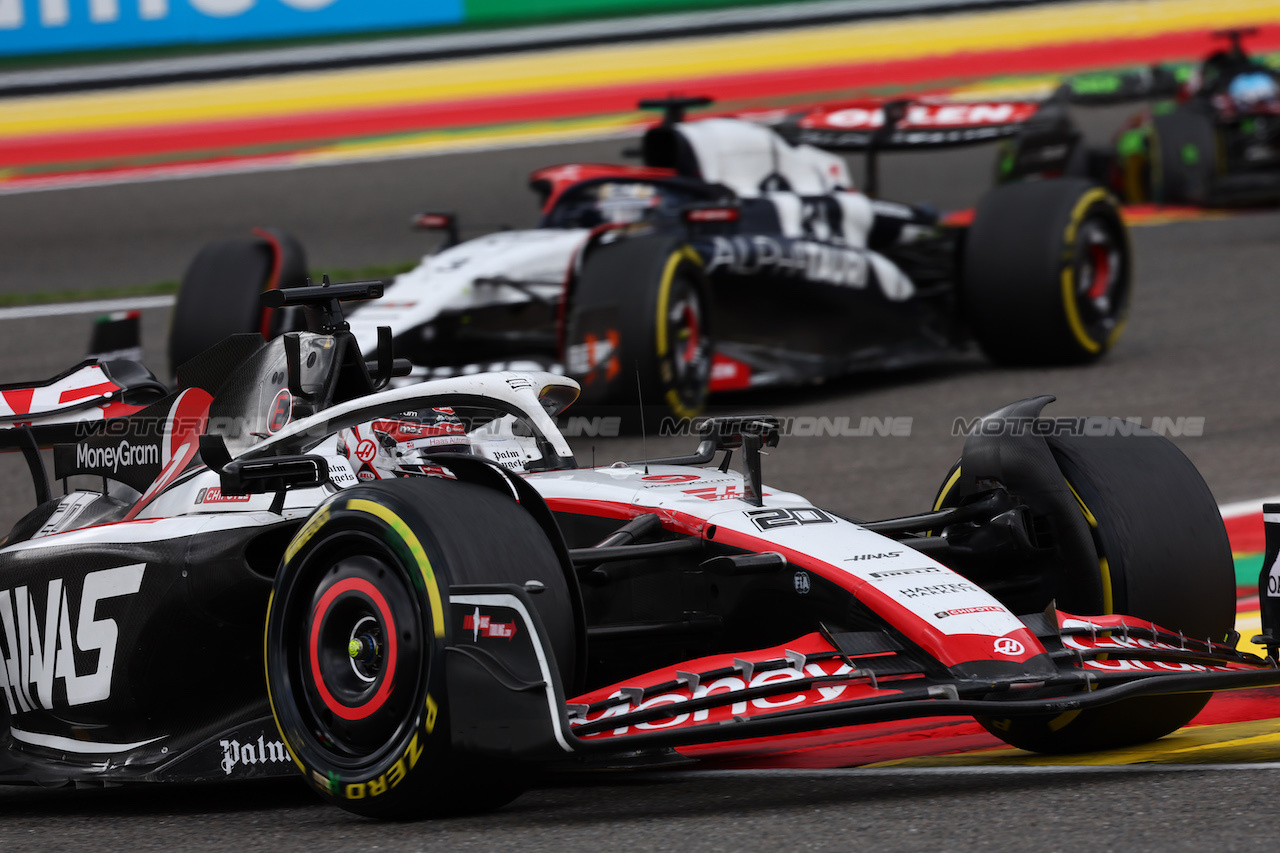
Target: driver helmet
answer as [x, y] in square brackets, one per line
[625, 202]
[400, 445]
[1253, 89]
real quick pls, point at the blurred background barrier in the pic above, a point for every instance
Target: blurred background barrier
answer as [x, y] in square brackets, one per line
[56, 26]
[185, 113]
[30, 28]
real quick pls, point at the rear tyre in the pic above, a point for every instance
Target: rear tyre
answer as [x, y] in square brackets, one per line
[1184, 157]
[356, 636]
[1047, 273]
[641, 304]
[1163, 557]
[219, 293]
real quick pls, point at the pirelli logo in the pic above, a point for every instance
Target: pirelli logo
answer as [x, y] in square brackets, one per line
[893, 573]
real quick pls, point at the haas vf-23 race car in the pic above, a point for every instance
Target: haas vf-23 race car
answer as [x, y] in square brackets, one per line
[1210, 136]
[731, 259]
[488, 606]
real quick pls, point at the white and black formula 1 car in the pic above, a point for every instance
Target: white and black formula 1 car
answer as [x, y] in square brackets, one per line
[480, 605]
[730, 259]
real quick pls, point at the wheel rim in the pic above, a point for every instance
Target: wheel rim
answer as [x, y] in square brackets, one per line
[690, 344]
[351, 644]
[362, 660]
[1100, 283]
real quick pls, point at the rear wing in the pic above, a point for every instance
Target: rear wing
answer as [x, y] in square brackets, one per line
[61, 409]
[909, 125]
[1041, 132]
[1106, 88]
[109, 383]
[90, 391]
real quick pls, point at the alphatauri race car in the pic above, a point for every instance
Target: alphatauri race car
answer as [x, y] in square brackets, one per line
[730, 259]
[476, 604]
[1211, 135]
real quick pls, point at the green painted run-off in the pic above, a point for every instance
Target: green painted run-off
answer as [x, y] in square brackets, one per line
[1247, 568]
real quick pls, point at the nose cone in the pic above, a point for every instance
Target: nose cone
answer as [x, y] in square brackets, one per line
[1036, 667]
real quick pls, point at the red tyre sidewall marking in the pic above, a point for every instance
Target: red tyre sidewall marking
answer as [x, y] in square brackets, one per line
[384, 689]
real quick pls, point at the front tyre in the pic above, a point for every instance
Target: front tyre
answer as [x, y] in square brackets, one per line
[357, 630]
[1047, 273]
[1162, 556]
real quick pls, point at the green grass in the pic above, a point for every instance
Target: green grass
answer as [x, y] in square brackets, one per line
[383, 271]
[164, 288]
[9, 300]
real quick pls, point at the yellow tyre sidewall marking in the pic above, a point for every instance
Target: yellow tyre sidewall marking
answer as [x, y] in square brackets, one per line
[1104, 574]
[684, 253]
[415, 548]
[1087, 343]
[1088, 516]
[308, 532]
[946, 489]
[271, 699]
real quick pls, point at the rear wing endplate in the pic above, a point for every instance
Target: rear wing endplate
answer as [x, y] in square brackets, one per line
[90, 391]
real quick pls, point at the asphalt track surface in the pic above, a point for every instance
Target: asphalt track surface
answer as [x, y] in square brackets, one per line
[1202, 343]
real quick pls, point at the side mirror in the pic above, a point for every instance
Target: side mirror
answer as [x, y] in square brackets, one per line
[731, 432]
[276, 474]
[446, 222]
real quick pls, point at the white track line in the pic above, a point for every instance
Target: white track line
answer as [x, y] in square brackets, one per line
[1232, 510]
[99, 306]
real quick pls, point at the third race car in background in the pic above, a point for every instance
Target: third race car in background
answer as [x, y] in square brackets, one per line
[1210, 135]
[736, 256]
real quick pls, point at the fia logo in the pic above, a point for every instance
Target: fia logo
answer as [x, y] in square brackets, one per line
[802, 583]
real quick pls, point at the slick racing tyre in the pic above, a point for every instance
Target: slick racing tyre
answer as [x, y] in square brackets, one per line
[1163, 557]
[1047, 273]
[1090, 162]
[641, 304]
[218, 296]
[357, 631]
[1184, 157]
